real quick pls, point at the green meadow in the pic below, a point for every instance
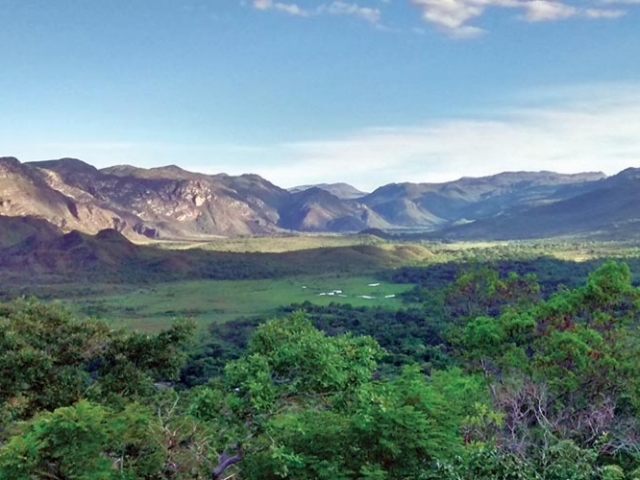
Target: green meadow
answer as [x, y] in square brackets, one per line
[154, 308]
[323, 275]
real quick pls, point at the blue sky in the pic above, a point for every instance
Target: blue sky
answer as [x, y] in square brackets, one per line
[307, 91]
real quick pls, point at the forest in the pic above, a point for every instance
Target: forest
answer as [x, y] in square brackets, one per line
[486, 373]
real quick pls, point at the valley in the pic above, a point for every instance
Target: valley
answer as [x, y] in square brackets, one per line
[320, 240]
[166, 283]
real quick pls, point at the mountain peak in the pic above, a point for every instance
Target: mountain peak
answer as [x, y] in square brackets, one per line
[341, 190]
[65, 166]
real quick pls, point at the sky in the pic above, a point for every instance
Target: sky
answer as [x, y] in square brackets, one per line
[366, 92]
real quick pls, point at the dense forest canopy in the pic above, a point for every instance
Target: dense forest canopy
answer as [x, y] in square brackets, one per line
[490, 377]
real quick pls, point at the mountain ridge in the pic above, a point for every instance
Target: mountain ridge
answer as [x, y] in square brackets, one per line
[172, 203]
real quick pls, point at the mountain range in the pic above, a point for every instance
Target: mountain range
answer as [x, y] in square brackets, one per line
[172, 203]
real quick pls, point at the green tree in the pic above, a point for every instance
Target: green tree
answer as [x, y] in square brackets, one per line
[50, 359]
[306, 406]
[82, 442]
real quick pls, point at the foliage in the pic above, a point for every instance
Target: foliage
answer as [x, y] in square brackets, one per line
[51, 359]
[85, 442]
[528, 386]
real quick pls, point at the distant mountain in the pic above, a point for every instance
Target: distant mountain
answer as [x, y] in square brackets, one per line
[170, 202]
[434, 206]
[609, 208]
[343, 191]
[316, 209]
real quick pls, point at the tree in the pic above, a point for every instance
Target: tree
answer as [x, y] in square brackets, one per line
[306, 406]
[82, 442]
[565, 370]
[49, 359]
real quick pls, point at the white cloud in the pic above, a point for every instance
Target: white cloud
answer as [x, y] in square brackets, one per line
[545, 10]
[603, 13]
[342, 8]
[452, 16]
[290, 8]
[335, 7]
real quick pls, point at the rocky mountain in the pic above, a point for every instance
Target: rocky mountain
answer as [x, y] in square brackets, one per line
[29, 191]
[170, 202]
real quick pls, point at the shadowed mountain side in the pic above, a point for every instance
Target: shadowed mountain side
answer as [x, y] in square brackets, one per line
[109, 257]
[609, 209]
[14, 230]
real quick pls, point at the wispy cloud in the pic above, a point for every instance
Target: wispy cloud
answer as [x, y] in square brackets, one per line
[452, 16]
[571, 129]
[342, 8]
[336, 7]
[595, 130]
[290, 8]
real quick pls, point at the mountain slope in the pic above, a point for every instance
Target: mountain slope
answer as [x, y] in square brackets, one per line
[14, 230]
[434, 206]
[171, 202]
[607, 209]
[29, 191]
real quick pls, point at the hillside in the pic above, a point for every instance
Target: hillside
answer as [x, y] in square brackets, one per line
[14, 230]
[170, 202]
[109, 257]
[316, 209]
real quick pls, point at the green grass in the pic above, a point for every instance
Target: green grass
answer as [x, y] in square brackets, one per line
[153, 308]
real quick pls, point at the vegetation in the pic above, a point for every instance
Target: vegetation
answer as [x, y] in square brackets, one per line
[493, 377]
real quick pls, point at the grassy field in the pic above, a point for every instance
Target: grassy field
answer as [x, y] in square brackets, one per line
[154, 308]
[274, 244]
[574, 249]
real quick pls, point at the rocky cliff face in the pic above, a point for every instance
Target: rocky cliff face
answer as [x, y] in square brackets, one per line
[29, 191]
[168, 202]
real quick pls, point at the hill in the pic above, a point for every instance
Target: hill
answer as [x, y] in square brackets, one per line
[434, 206]
[109, 257]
